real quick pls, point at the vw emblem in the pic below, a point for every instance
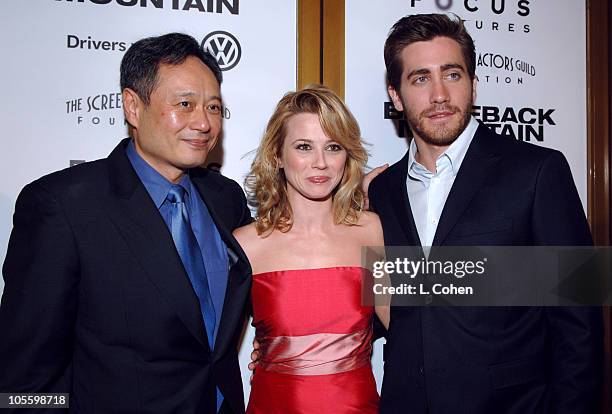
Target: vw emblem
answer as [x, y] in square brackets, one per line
[224, 47]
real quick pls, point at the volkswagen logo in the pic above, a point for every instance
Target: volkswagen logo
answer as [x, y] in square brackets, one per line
[224, 47]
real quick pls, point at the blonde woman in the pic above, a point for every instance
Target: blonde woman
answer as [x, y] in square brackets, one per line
[305, 250]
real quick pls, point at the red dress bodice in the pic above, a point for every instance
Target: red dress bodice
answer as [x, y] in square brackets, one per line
[315, 337]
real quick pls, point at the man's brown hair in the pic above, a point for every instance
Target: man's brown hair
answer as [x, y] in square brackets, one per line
[422, 28]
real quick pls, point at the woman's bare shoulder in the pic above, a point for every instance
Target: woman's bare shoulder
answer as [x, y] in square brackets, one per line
[246, 234]
[370, 229]
[369, 218]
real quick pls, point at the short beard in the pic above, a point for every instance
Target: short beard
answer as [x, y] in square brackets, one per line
[440, 135]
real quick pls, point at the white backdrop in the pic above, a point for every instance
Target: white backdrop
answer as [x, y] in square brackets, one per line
[531, 58]
[49, 83]
[61, 61]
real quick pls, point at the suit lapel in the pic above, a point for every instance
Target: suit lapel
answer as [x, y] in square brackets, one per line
[137, 219]
[238, 283]
[401, 204]
[478, 163]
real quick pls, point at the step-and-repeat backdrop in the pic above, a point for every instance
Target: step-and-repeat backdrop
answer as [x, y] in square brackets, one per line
[531, 67]
[61, 100]
[62, 104]
[530, 64]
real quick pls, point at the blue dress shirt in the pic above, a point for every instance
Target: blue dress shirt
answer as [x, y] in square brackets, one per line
[212, 247]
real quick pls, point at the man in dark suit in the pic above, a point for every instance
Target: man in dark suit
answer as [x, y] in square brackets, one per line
[123, 284]
[460, 184]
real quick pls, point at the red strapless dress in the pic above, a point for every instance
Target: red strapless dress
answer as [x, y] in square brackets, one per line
[315, 339]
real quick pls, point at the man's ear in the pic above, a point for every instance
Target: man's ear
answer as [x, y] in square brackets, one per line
[474, 86]
[132, 107]
[397, 102]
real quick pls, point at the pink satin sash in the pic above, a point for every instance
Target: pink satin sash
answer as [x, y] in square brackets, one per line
[316, 354]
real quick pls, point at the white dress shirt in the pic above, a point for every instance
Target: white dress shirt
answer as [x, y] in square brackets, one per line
[428, 191]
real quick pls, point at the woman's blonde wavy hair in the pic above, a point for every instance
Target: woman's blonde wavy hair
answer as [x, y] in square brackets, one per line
[266, 185]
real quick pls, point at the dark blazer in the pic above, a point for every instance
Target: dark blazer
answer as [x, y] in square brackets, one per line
[97, 303]
[492, 360]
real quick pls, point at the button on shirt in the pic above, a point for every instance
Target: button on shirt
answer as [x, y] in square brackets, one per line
[428, 191]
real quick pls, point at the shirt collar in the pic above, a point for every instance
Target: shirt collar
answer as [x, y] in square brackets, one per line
[156, 184]
[455, 152]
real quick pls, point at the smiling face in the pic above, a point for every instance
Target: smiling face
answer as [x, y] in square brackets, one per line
[436, 92]
[182, 122]
[312, 162]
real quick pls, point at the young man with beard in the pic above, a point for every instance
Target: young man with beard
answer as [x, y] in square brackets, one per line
[461, 184]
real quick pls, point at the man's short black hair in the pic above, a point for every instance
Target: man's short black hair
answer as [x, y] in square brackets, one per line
[140, 63]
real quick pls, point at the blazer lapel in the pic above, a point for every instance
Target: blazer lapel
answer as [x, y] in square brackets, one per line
[398, 193]
[478, 163]
[136, 217]
[238, 283]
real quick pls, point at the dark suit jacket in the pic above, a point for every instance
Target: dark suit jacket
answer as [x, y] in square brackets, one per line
[493, 360]
[97, 303]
